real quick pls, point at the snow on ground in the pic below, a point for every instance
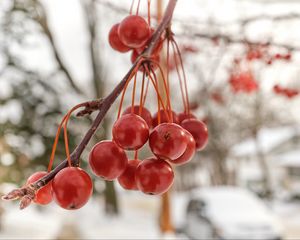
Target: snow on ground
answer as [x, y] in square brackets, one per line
[289, 213]
[138, 219]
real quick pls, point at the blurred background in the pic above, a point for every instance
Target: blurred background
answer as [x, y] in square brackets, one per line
[242, 63]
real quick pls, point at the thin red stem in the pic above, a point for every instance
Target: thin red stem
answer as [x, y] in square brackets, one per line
[166, 88]
[184, 76]
[155, 85]
[142, 93]
[149, 13]
[133, 93]
[131, 7]
[138, 7]
[55, 144]
[146, 92]
[180, 80]
[168, 64]
[63, 122]
[126, 85]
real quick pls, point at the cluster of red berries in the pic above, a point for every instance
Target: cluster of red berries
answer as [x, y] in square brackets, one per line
[172, 138]
[171, 143]
[284, 91]
[263, 53]
[243, 82]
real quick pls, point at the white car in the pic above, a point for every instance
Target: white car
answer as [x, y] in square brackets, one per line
[229, 213]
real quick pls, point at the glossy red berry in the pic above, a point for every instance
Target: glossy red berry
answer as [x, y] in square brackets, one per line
[199, 131]
[114, 40]
[189, 151]
[164, 117]
[108, 160]
[72, 188]
[154, 176]
[134, 31]
[44, 195]
[182, 116]
[168, 141]
[130, 132]
[127, 179]
[145, 114]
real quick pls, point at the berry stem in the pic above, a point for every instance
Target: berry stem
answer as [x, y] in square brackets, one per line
[149, 13]
[166, 89]
[126, 85]
[133, 93]
[184, 76]
[142, 93]
[55, 144]
[180, 80]
[64, 121]
[168, 64]
[146, 91]
[138, 7]
[160, 101]
[131, 7]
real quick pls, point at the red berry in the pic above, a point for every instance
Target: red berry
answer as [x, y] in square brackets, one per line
[278, 56]
[189, 151]
[199, 131]
[127, 179]
[168, 141]
[134, 31]
[145, 114]
[287, 57]
[108, 160]
[130, 131]
[154, 176]
[44, 195]
[72, 188]
[182, 116]
[114, 40]
[163, 117]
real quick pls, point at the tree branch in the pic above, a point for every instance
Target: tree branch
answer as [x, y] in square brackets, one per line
[230, 39]
[43, 21]
[106, 103]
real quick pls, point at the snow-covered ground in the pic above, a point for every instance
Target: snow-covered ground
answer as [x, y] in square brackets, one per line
[138, 219]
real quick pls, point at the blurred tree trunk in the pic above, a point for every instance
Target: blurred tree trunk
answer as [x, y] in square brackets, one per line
[98, 79]
[266, 179]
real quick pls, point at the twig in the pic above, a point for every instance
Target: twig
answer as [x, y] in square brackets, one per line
[228, 39]
[90, 107]
[42, 20]
[25, 193]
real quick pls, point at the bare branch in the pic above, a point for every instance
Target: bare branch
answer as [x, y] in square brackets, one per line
[43, 21]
